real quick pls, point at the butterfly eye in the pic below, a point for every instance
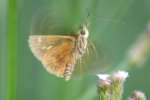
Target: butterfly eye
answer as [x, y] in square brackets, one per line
[82, 32]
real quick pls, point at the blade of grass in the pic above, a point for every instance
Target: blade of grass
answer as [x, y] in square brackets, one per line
[3, 50]
[11, 49]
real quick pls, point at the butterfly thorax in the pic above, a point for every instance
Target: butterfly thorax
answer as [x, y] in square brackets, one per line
[78, 52]
[81, 45]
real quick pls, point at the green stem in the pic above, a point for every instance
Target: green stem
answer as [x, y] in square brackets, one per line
[105, 95]
[117, 89]
[11, 49]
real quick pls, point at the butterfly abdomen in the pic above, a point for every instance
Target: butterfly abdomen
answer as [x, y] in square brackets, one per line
[68, 71]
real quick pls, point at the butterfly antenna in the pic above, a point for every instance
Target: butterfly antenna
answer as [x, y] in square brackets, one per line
[103, 18]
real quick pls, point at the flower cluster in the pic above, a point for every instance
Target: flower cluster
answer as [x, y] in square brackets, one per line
[110, 87]
[137, 95]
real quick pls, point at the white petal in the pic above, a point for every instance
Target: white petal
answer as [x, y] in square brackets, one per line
[121, 75]
[103, 76]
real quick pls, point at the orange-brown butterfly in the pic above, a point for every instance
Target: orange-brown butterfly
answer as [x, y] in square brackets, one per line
[59, 54]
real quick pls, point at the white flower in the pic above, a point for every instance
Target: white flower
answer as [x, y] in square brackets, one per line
[120, 75]
[137, 95]
[103, 76]
[104, 81]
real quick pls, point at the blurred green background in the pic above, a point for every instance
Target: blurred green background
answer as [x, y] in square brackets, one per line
[114, 26]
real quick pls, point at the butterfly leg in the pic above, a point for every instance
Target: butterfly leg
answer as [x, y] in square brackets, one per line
[80, 66]
[87, 50]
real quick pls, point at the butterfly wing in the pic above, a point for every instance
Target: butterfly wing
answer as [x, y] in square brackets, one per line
[93, 61]
[54, 52]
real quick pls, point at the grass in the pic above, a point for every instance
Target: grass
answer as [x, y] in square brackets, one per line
[11, 49]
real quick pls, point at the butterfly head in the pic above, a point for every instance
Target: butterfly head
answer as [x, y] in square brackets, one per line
[84, 31]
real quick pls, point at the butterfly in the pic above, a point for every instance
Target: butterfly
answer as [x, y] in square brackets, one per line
[59, 54]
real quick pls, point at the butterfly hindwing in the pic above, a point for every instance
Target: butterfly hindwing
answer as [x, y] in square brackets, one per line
[54, 51]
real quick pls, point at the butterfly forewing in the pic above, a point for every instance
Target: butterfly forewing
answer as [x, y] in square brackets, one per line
[54, 52]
